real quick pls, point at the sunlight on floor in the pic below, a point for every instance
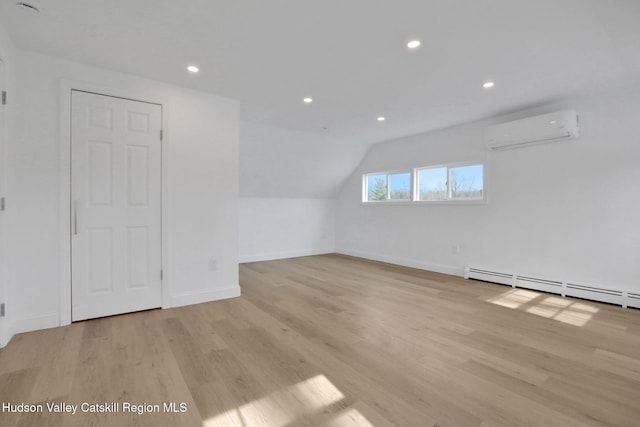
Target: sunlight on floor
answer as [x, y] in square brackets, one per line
[552, 307]
[283, 407]
[514, 298]
[350, 417]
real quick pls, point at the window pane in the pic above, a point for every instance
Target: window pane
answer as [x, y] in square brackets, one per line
[432, 184]
[400, 186]
[466, 182]
[377, 187]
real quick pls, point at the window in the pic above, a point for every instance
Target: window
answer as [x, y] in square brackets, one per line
[466, 182]
[446, 183]
[432, 183]
[400, 186]
[376, 187]
[388, 186]
[450, 183]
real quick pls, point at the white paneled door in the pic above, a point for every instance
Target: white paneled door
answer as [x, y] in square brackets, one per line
[115, 205]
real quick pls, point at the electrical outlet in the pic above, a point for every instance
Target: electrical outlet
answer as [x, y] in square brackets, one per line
[213, 264]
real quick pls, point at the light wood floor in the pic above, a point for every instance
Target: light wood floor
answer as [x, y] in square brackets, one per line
[338, 341]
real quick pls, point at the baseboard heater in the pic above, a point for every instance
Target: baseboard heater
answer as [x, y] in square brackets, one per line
[560, 287]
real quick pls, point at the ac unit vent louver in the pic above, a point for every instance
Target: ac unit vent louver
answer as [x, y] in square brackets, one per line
[552, 127]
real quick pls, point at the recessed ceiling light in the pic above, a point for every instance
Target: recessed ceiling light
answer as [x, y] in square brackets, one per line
[413, 44]
[381, 119]
[488, 85]
[193, 68]
[307, 100]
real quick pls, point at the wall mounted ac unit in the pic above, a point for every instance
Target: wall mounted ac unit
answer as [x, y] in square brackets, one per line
[552, 127]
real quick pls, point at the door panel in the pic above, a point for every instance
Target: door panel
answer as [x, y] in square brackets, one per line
[115, 193]
[137, 175]
[100, 260]
[138, 256]
[99, 173]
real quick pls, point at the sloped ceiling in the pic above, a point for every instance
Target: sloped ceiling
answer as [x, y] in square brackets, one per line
[351, 57]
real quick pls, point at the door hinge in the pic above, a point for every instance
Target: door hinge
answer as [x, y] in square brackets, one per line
[4, 97]
[2, 310]
[161, 135]
[161, 274]
[1, 203]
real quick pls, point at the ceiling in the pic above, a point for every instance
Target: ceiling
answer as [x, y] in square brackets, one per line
[351, 56]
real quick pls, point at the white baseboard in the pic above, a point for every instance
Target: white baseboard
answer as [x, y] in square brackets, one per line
[51, 319]
[281, 255]
[198, 297]
[405, 262]
[35, 322]
[5, 336]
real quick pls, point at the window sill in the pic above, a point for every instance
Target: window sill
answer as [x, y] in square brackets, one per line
[427, 203]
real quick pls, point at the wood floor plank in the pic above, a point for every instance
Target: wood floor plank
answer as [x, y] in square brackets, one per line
[339, 341]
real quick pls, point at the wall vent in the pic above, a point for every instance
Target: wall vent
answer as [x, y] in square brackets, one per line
[539, 284]
[611, 296]
[633, 300]
[489, 276]
[593, 293]
[594, 289]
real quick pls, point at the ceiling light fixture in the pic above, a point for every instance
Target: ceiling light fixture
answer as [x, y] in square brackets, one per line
[307, 100]
[381, 119]
[413, 44]
[193, 68]
[488, 85]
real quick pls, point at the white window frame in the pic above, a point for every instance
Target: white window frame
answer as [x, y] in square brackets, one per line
[450, 200]
[365, 187]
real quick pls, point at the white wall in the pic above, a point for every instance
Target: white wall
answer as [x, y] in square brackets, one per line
[565, 211]
[8, 119]
[281, 163]
[202, 136]
[288, 183]
[274, 228]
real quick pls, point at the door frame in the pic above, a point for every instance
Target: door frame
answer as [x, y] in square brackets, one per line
[4, 322]
[133, 94]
